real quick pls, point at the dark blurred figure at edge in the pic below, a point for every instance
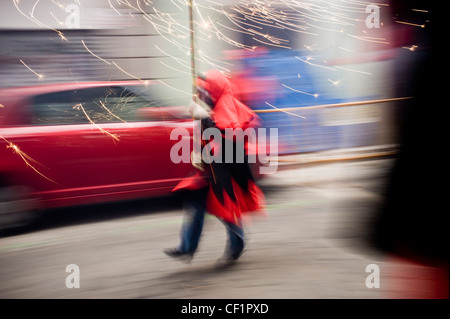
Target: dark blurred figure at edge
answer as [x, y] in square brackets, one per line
[226, 190]
[411, 226]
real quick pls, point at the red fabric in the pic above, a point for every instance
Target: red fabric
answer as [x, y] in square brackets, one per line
[194, 182]
[228, 111]
[231, 211]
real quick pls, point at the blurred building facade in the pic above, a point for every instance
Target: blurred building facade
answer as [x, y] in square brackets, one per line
[306, 53]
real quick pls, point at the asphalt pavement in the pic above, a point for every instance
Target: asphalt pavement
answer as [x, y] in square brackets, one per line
[309, 245]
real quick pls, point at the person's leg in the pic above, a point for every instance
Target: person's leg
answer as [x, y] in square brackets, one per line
[194, 215]
[235, 240]
[192, 225]
[235, 245]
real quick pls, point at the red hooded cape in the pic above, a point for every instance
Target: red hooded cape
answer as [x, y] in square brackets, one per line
[232, 189]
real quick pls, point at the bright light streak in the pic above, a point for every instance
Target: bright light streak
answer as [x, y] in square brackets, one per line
[112, 7]
[40, 76]
[276, 108]
[311, 94]
[175, 89]
[311, 47]
[178, 60]
[93, 54]
[33, 19]
[171, 67]
[353, 70]
[411, 24]
[28, 160]
[369, 39]
[111, 113]
[336, 83]
[345, 49]
[32, 10]
[54, 17]
[79, 106]
[411, 48]
[313, 64]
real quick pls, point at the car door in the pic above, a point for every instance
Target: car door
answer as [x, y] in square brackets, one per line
[91, 146]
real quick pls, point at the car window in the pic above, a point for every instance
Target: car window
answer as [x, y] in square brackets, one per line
[56, 108]
[93, 105]
[112, 104]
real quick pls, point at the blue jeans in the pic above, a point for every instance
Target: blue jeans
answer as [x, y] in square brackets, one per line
[195, 209]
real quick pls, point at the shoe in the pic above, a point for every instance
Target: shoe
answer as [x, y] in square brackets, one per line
[225, 261]
[175, 253]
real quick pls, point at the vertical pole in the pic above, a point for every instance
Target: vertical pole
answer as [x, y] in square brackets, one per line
[192, 47]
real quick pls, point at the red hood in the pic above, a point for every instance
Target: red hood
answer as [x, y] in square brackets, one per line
[229, 112]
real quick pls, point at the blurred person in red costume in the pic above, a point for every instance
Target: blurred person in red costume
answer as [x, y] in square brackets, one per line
[224, 188]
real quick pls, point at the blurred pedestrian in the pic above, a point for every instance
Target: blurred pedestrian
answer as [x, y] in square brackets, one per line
[411, 227]
[222, 188]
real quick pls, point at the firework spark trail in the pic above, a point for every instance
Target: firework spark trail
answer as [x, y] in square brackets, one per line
[411, 24]
[34, 7]
[175, 69]
[336, 83]
[79, 106]
[178, 60]
[232, 29]
[280, 110]
[28, 160]
[313, 64]
[271, 44]
[173, 88]
[260, 15]
[288, 87]
[54, 17]
[223, 37]
[353, 70]
[125, 2]
[112, 7]
[214, 64]
[199, 13]
[93, 54]
[212, 28]
[273, 39]
[369, 39]
[249, 16]
[146, 82]
[173, 22]
[169, 28]
[58, 4]
[111, 113]
[179, 8]
[34, 20]
[160, 29]
[113, 63]
[40, 76]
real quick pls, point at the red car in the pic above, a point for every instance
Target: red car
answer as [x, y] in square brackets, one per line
[83, 143]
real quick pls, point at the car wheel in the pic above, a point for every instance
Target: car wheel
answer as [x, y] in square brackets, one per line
[17, 209]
